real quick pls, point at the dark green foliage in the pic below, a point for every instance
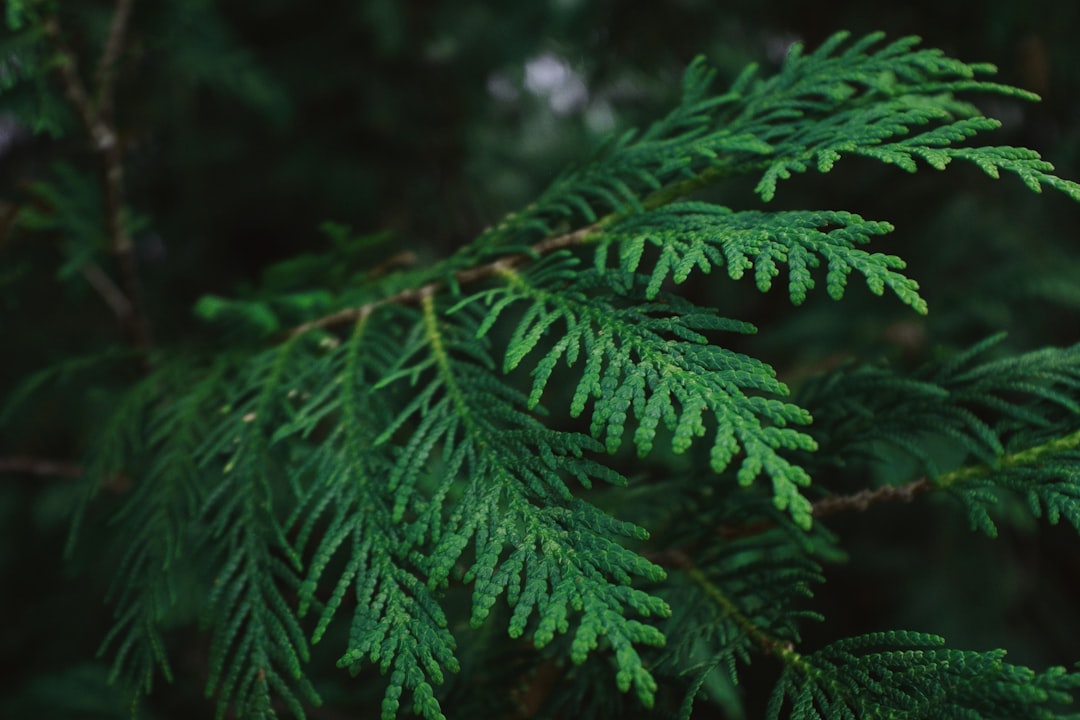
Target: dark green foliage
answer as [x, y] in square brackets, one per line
[641, 358]
[157, 525]
[259, 645]
[1009, 419]
[355, 458]
[911, 675]
[742, 593]
[700, 235]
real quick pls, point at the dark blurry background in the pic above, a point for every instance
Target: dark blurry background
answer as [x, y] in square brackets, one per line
[249, 124]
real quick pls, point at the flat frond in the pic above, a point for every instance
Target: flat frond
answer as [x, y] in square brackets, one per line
[382, 488]
[157, 522]
[651, 361]
[979, 405]
[869, 103]
[1013, 421]
[400, 627]
[553, 556]
[913, 675]
[697, 236]
[258, 647]
[1045, 475]
[735, 597]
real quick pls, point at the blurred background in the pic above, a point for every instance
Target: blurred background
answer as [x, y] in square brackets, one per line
[417, 123]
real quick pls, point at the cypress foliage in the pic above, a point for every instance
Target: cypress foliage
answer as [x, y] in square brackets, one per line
[427, 469]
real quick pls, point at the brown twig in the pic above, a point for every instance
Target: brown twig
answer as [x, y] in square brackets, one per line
[678, 557]
[106, 69]
[865, 499]
[39, 467]
[398, 260]
[113, 296]
[462, 277]
[73, 85]
[539, 249]
[97, 120]
[860, 501]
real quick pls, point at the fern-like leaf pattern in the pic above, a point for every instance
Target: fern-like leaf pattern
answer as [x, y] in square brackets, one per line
[652, 361]
[697, 236]
[321, 479]
[887, 675]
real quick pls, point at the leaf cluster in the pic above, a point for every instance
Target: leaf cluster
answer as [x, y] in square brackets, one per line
[379, 466]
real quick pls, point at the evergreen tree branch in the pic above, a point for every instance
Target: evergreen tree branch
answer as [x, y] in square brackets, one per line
[106, 69]
[783, 649]
[98, 123]
[735, 600]
[854, 103]
[859, 501]
[495, 268]
[113, 296]
[415, 466]
[1028, 457]
[914, 676]
[39, 467]
[867, 498]
[411, 296]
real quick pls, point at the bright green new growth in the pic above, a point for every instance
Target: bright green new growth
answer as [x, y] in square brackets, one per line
[365, 467]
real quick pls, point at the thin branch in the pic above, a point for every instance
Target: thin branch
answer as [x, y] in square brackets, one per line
[783, 649]
[462, 277]
[398, 260]
[106, 69]
[865, 499]
[857, 502]
[72, 83]
[97, 121]
[860, 501]
[543, 247]
[113, 296]
[39, 467]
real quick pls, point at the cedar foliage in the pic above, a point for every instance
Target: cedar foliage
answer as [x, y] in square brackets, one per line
[394, 464]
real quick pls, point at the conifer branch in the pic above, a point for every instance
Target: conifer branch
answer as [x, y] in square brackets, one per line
[106, 69]
[768, 644]
[97, 120]
[113, 296]
[407, 463]
[859, 501]
[39, 467]
[1029, 456]
[867, 498]
[466, 276]
[495, 268]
